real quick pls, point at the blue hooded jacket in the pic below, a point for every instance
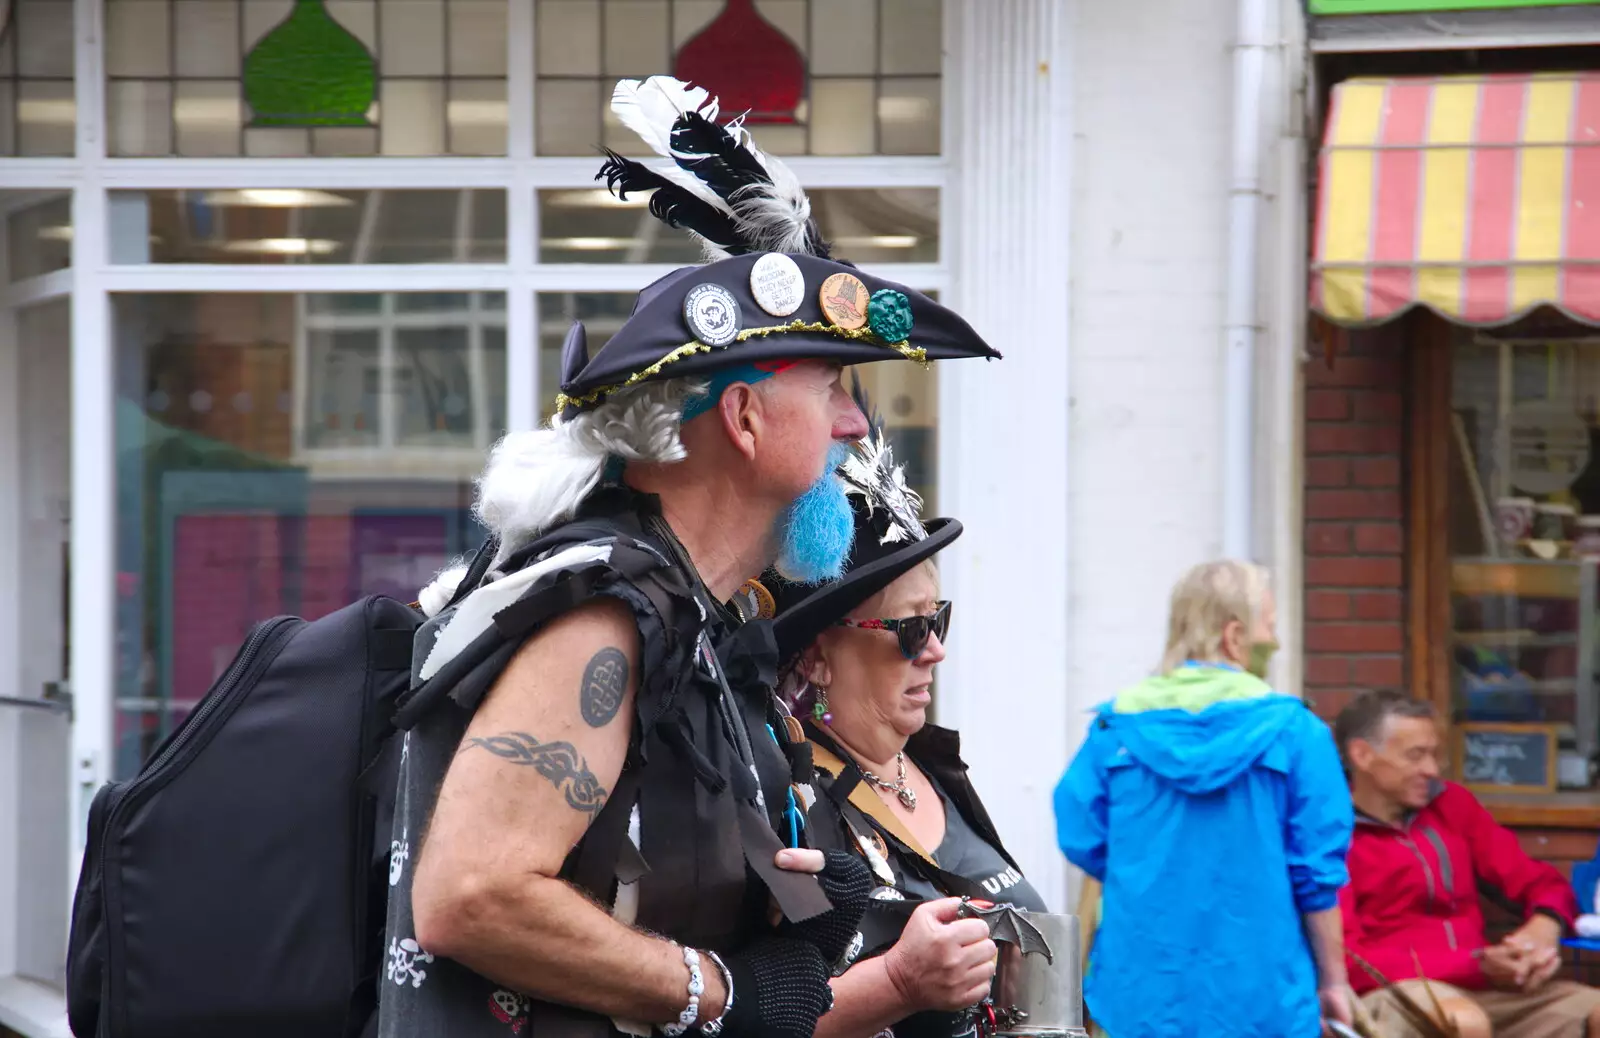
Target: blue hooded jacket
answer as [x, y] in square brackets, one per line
[1215, 813]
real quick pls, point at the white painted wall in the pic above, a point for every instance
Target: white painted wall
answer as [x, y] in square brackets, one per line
[1150, 193]
[1152, 93]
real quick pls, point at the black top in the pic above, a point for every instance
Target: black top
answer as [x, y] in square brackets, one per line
[968, 855]
[970, 861]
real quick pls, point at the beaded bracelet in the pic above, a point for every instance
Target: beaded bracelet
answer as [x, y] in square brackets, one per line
[697, 987]
[712, 1028]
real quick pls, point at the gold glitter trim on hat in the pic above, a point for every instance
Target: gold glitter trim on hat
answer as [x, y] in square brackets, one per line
[689, 349]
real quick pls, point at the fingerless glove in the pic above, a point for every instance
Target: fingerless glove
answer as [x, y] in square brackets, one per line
[780, 989]
[847, 881]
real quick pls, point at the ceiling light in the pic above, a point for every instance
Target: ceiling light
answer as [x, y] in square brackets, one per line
[281, 246]
[278, 198]
[43, 110]
[594, 198]
[476, 113]
[879, 241]
[588, 244]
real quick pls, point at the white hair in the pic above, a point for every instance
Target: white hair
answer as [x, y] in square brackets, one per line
[534, 481]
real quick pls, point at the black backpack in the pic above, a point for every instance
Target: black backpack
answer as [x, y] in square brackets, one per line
[236, 885]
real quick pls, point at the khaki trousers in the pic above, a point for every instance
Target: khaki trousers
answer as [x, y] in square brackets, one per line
[1560, 1009]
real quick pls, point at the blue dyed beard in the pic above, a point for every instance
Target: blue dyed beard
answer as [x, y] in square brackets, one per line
[815, 533]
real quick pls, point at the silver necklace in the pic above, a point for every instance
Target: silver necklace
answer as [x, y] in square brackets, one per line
[899, 787]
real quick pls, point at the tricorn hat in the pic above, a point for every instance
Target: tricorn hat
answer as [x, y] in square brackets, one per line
[772, 291]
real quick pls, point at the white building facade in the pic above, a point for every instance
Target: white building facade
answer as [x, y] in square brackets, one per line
[249, 366]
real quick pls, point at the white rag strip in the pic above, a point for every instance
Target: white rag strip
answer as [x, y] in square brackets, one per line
[476, 612]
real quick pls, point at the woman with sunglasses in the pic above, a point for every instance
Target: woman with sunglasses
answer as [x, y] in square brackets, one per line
[857, 657]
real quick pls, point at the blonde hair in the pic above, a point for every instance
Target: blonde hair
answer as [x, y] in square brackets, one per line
[1208, 598]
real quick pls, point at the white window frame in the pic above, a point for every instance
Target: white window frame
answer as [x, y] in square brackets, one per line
[92, 280]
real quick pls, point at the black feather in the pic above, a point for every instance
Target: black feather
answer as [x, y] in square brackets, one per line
[715, 156]
[670, 203]
[858, 393]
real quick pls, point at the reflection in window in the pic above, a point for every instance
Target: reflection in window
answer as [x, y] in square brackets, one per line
[869, 70]
[207, 77]
[1525, 538]
[904, 394]
[238, 499]
[38, 112]
[590, 225]
[39, 237]
[298, 225]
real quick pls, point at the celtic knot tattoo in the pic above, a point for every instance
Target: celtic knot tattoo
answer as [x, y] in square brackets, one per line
[556, 761]
[605, 680]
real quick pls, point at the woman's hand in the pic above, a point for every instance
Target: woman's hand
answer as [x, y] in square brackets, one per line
[941, 960]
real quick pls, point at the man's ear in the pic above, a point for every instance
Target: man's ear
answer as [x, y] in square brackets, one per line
[1361, 753]
[740, 411]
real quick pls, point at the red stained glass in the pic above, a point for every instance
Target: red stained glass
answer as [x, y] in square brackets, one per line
[747, 63]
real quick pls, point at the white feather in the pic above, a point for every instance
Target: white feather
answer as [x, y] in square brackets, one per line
[650, 107]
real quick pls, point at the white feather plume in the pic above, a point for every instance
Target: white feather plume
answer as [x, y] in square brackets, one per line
[770, 217]
[870, 473]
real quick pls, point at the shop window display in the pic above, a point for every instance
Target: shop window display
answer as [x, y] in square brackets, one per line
[285, 453]
[1525, 559]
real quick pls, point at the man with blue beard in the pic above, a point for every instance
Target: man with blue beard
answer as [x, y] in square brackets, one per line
[596, 828]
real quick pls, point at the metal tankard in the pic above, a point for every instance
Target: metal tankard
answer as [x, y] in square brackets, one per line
[1038, 982]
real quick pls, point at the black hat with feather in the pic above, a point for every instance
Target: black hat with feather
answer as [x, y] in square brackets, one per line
[771, 292]
[891, 539]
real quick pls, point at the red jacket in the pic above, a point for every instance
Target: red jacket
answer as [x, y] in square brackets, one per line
[1415, 886]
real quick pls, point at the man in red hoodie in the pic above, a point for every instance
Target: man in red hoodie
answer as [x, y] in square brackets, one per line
[1423, 849]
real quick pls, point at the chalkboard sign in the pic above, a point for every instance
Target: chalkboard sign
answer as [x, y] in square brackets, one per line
[1507, 758]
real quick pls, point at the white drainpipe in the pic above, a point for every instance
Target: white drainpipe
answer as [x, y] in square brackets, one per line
[1244, 217]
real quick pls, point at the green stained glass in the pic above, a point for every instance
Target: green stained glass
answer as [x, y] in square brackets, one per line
[310, 71]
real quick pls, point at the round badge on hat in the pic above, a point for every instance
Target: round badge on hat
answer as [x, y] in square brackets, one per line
[844, 301]
[712, 314]
[777, 284]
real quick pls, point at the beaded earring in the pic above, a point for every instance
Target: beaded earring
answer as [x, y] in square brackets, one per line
[819, 706]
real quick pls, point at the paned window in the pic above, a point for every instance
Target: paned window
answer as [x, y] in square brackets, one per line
[817, 77]
[306, 77]
[298, 225]
[38, 113]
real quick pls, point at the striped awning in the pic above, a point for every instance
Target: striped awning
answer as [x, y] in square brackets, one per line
[1475, 196]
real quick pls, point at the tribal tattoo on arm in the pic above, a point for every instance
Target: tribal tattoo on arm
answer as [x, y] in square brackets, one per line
[557, 761]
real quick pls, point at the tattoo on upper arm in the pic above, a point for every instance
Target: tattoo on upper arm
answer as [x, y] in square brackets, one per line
[557, 761]
[605, 680]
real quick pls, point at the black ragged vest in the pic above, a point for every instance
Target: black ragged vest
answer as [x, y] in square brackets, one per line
[704, 729]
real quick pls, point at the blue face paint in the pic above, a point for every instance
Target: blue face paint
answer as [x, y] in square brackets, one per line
[815, 533]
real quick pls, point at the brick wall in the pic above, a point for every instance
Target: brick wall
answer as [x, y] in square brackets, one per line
[1355, 531]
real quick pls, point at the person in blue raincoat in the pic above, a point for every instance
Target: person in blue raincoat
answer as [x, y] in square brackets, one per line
[1215, 813]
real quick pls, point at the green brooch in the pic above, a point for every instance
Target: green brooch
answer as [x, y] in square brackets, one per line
[889, 315]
